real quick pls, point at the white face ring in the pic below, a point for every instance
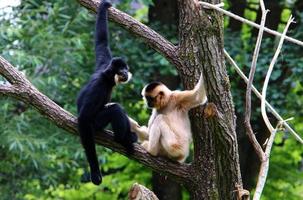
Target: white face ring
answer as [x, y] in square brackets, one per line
[117, 81]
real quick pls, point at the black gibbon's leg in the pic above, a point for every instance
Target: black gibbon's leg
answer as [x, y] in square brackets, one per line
[117, 117]
[102, 49]
[87, 139]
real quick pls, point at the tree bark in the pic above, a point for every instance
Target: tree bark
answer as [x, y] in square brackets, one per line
[139, 192]
[165, 187]
[216, 161]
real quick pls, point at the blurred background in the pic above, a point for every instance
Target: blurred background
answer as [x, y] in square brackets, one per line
[52, 43]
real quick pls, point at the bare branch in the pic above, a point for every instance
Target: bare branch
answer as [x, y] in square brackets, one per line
[264, 167]
[271, 66]
[258, 94]
[6, 89]
[29, 94]
[249, 130]
[241, 19]
[11, 75]
[149, 36]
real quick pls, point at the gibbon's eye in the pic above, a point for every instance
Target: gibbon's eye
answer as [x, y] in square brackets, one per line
[149, 98]
[150, 101]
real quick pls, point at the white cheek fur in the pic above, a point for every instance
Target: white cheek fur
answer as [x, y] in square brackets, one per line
[117, 81]
[129, 77]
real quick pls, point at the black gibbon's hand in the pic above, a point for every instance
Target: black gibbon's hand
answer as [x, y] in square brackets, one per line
[96, 177]
[106, 3]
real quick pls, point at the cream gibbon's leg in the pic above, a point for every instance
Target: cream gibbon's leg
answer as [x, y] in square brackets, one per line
[164, 141]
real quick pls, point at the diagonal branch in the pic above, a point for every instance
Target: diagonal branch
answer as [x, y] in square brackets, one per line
[27, 93]
[6, 89]
[149, 36]
[253, 24]
[258, 94]
[13, 76]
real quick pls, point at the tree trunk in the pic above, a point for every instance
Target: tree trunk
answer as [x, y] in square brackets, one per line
[215, 167]
[165, 187]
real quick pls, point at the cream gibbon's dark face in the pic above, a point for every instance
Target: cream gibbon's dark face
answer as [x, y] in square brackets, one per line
[155, 95]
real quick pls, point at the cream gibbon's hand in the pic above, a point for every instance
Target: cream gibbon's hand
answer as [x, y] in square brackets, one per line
[192, 98]
[145, 145]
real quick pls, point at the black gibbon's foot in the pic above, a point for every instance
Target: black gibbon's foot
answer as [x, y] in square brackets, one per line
[133, 137]
[106, 3]
[96, 178]
[129, 146]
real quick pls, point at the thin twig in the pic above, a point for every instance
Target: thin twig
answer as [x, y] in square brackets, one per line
[258, 94]
[271, 66]
[249, 130]
[264, 167]
[241, 19]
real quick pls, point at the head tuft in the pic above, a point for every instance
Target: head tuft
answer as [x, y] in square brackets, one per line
[151, 86]
[118, 62]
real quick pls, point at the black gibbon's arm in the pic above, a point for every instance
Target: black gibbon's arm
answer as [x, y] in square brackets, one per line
[103, 53]
[95, 111]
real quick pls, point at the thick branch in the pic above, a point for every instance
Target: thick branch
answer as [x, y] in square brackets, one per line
[13, 76]
[63, 119]
[6, 89]
[149, 36]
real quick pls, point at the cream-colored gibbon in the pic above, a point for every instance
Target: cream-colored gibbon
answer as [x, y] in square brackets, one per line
[169, 133]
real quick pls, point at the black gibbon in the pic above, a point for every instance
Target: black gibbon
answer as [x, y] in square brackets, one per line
[169, 132]
[94, 110]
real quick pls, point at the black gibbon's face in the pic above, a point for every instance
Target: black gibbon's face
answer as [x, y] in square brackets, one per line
[121, 70]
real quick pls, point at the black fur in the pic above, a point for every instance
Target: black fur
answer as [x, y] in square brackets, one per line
[93, 113]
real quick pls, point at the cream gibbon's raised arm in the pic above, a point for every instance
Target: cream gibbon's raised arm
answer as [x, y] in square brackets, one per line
[169, 132]
[192, 98]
